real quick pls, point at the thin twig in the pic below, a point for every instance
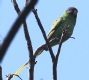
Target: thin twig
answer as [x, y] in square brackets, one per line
[0, 73]
[29, 44]
[59, 48]
[47, 44]
[17, 76]
[44, 34]
[10, 76]
[56, 58]
[63, 34]
[27, 36]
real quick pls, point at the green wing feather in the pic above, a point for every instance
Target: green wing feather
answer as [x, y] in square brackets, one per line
[54, 27]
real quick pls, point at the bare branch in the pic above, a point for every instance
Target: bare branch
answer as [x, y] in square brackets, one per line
[44, 34]
[27, 37]
[29, 44]
[10, 76]
[0, 73]
[63, 34]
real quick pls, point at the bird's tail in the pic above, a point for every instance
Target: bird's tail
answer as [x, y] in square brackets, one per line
[37, 53]
[20, 69]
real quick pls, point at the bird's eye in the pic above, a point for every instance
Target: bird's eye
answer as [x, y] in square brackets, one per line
[70, 9]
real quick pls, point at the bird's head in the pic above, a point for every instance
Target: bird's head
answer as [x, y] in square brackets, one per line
[73, 11]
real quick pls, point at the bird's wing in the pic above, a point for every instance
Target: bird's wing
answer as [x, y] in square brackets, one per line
[54, 27]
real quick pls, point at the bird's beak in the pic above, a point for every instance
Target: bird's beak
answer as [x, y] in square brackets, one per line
[75, 12]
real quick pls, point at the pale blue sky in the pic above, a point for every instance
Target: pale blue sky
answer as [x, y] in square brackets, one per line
[73, 62]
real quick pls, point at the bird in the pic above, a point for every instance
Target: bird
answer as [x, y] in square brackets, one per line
[68, 19]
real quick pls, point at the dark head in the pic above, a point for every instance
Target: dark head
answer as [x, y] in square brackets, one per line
[73, 11]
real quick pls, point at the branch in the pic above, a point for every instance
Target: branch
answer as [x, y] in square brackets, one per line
[56, 58]
[0, 73]
[29, 44]
[15, 27]
[27, 37]
[44, 34]
[10, 76]
[61, 39]
[63, 34]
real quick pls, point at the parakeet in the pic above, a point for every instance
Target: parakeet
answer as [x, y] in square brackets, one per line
[68, 18]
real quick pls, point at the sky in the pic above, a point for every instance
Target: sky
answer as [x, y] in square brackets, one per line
[73, 62]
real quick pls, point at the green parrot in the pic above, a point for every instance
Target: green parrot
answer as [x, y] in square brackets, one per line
[68, 18]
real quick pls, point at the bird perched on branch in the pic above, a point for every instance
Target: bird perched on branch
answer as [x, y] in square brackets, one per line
[68, 19]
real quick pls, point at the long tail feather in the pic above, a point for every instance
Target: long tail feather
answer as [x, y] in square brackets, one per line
[37, 54]
[20, 69]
